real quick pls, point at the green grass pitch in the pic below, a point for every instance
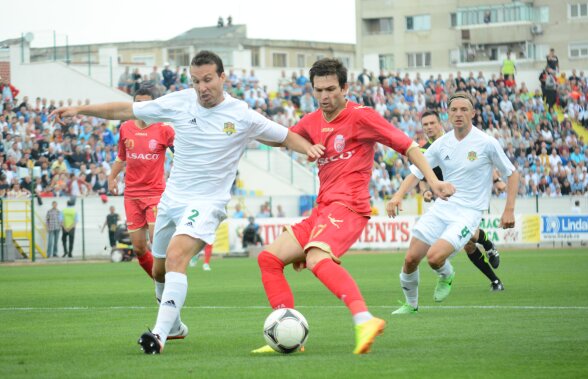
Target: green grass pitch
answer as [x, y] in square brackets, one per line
[83, 320]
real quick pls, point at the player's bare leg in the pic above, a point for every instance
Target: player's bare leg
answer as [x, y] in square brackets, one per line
[409, 276]
[437, 257]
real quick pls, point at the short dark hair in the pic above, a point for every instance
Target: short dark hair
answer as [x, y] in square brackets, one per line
[430, 112]
[208, 57]
[147, 89]
[329, 66]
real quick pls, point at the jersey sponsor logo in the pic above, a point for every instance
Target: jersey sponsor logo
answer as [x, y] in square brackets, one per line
[339, 143]
[327, 130]
[148, 157]
[141, 134]
[343, 156]
[152, 144]
[194, 122]
[129, 144]
[472, 156]
[229, 128]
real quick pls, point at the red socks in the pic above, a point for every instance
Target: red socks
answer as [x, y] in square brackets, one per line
[341, 284]
[207, 253]
[333, 276]
[146, 261]
[276, 287]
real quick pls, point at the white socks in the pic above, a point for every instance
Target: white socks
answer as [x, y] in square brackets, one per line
[159, 287]
[410, 287]
[361, 317]
[172, 301]
[445, 270]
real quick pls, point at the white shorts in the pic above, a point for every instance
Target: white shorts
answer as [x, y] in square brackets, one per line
[450, 222]
[197, 219]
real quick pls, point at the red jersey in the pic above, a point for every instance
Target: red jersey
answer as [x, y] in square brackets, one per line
[346, 166]
[144, 152]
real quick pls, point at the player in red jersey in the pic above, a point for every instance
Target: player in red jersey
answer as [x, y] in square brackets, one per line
[143, 148]
[349, 132]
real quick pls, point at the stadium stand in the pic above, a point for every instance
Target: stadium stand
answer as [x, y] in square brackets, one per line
[547, 145]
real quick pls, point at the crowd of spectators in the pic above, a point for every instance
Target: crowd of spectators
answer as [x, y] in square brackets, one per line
[534, 129]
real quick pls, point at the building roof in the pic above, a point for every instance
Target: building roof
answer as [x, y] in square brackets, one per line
[213, 32]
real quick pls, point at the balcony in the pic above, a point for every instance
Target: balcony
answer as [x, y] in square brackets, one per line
[492, 54]
[499, 15]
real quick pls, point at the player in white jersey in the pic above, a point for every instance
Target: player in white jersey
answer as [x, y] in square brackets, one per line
[212, 131]
[466, 157]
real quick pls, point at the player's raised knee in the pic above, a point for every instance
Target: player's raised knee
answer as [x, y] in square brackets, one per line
[411, 262]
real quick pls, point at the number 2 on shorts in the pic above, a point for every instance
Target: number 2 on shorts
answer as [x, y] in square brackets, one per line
[194, 214]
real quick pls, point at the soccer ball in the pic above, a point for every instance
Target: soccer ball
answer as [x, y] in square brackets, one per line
[285, 330]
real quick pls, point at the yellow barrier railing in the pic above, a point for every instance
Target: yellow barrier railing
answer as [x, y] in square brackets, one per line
[17, 217]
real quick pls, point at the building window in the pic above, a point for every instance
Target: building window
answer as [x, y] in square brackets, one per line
[579, 10]
[146, 60]
[419, 59]
[255, 58]
[578, 50]
[301, 60]
[422, 22]
[279, 60]
[379, 25]
[386, 61]
[178, 57]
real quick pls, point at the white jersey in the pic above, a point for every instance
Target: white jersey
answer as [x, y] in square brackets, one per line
[468, 165]
[208, 142]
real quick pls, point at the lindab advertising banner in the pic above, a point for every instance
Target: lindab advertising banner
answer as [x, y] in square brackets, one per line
[564, 228]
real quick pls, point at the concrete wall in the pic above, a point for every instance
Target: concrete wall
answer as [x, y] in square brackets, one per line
[95, 211]
[55, 80]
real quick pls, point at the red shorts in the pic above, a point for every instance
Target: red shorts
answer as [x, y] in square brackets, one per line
[141, 211]
[332, 228]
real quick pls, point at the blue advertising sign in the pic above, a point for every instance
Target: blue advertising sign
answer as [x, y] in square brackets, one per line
[556, 227]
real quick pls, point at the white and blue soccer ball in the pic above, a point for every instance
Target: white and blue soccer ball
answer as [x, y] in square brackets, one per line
[285, 330]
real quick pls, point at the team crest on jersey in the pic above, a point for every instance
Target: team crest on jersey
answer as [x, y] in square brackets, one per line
[472, 156]
[152, 144]
[339, 143]
[129, 144]
[229, 128]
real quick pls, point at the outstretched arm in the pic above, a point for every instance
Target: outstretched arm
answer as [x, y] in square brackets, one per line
[299, 144]
[395, 204]
[442, 189]
[107, 111]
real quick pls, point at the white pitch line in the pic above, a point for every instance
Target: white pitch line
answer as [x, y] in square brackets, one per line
[253, 307]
